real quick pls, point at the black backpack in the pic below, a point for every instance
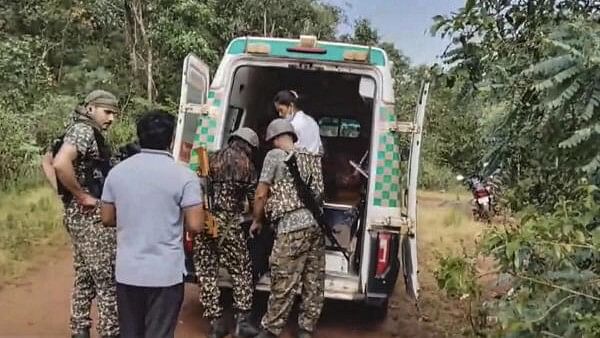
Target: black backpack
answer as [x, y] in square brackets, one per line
[96, 169]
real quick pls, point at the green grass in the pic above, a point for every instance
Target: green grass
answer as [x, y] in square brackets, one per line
[444, 228]
[454, 218]
[30, 220]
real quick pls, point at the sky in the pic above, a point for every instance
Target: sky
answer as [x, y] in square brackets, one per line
[406, 23]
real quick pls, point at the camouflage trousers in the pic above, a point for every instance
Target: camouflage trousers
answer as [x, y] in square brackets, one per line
[297, 267]
[233, 256]
[94, 251]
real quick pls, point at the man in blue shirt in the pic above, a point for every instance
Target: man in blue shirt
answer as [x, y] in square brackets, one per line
[148, 197]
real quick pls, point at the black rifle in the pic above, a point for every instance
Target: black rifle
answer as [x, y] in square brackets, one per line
[126, 151]
[310, 202]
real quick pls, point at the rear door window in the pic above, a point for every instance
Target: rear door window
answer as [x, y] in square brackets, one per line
[349, 128]
[329, 126]
[339, 127]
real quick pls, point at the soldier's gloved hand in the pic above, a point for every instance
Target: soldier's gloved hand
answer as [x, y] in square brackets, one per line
[255, 228]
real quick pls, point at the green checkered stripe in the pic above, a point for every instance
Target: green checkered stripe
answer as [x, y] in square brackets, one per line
[387, 176]
[204, 137]
[387, 115]
[215, 98]
[206, 131]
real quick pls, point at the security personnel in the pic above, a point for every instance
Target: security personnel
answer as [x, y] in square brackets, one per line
[298, 256]
[81, 161]
[233, 182]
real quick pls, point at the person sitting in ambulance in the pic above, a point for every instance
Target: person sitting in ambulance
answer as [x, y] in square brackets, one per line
[287, 104]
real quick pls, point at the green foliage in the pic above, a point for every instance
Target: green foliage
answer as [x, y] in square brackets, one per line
[53, 52]
[18, 150]
[555, 259]
[24, 71]
[456, 276]
[49, 116]
[435, 177]
[495, 45]
[364, 33]
[568, 85]
[535, 63]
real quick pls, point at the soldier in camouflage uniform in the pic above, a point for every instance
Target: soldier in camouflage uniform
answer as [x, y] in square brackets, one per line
[298, 257]
[81, 161]
[233, 181]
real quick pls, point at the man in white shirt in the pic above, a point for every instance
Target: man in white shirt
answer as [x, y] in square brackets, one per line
[307, 129]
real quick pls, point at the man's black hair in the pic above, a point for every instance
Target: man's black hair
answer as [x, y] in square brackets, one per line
[155, 129]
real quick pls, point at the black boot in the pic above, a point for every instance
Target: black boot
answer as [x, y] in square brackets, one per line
[243, 326]
[304, 334]
[81, 334]
[265, 334]
[218, 328]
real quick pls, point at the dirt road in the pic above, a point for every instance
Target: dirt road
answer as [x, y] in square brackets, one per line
[37, 305]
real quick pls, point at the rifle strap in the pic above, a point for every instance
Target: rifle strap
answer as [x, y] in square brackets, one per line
[301, 185]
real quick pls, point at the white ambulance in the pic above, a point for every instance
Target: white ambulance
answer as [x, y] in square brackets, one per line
[349, 91]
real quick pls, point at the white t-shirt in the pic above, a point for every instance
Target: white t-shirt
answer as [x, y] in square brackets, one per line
[308, 133]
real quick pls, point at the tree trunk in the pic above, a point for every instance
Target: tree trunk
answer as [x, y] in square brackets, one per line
[138, 12]
[131, 37]
[265, 23]
[149, 85]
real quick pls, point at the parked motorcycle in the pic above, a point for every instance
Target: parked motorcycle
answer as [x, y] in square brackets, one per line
[483, 197]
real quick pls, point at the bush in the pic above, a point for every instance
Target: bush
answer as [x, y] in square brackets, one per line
[456, 276]
[555, 259]
[435, 177]
[50, 116]
[19, 153]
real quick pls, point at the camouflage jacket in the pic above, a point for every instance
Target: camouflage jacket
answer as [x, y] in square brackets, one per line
[233, 178]
[81, 133]
[283, 198]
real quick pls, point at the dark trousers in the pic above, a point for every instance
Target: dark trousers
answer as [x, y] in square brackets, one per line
[148, 312]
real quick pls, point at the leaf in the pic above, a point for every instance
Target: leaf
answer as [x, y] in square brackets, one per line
[469, 5]
[591, 106]
[566, 47]
[564, 96]
[578, 137]
[566, 74]
[511, 248]
[579, 236]
[557, 251]
[596, 237]
[550, 66]
[593, 165]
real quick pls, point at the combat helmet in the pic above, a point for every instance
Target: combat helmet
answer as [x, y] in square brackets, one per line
[278, 127]
[247, 135]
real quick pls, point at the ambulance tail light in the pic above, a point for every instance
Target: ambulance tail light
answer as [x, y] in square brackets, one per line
[383, 254]
[307, 50]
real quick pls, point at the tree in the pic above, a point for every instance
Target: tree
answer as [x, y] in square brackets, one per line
[534, 62]
[54, 52]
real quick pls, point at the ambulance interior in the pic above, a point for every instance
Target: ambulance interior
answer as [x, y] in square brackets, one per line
[334, 100]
